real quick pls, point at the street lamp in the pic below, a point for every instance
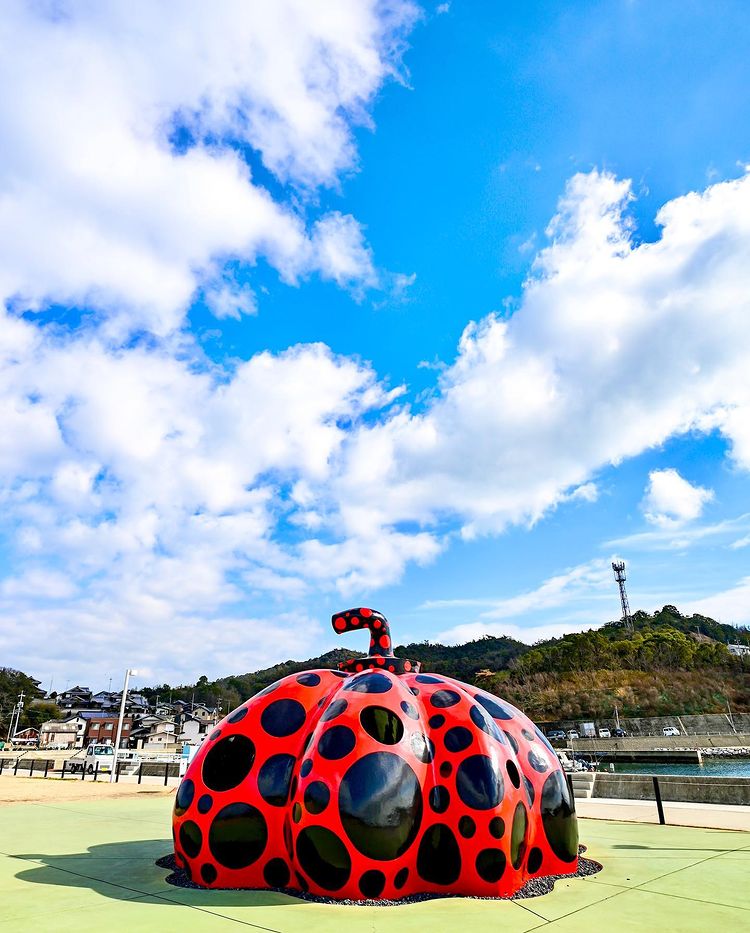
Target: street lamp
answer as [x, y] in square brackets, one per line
[128, 674]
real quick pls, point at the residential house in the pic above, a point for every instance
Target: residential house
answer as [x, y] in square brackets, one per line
[68, 733]
[28, 737]
[104, 730]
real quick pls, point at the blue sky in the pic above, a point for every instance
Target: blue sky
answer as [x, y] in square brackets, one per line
[241, 385]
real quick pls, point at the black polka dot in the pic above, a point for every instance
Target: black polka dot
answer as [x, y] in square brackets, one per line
[306, 767]
[497, 827]
[515, 777]
[287, 832]
[208, 873]
[339, 673]
[444, 698]
[529, 736]
[373, 682]
[316, 797]
[276, 873]
[228, 762]
[467, 827]
[439, 857]
[308, 679]
[518, 836]
[479, 783]
[400, 880]
[446, 768]
[493, 707]
[184, 797]
[490, 865]
[191, 838]
[282, 718]
[302, 881]
[436, 721]
[414, 690]
[440, 799]
[238, 715]
[336, 743]
[544, 740]
[371, 884]
[537, 762]
[458, 738]
[422, 747]
[293, 788]
[205, 803]
[558, 817]
[428, 679]
[323, 857]
[297, 812]
[274, 778]
[215, 735]
[335, 709]
[269, 689]
[535, 861]
[484, 721]
[307, 741]
[513, 742]
[410, 709]
[238, 835]
[530, 794]
[382, 724]
[380, 803]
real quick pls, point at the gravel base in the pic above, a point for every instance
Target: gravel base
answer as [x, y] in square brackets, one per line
[533, 888]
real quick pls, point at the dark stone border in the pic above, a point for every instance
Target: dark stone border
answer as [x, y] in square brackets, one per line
[535, 887]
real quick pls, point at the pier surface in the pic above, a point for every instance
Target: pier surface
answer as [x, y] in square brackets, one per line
[76, 863]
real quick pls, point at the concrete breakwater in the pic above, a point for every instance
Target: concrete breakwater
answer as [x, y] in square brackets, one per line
[678, 787]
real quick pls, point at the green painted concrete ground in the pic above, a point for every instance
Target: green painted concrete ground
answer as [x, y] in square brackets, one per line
[90, 866]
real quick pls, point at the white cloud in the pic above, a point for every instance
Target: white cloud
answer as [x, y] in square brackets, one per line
[577, 587]
[166, 489]
[615, 348]
[731, 606]
[120, 173]
[670, 500]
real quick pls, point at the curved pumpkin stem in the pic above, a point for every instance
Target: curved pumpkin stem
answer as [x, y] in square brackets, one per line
[353, 620]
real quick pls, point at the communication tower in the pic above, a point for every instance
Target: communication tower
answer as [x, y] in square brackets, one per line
[619, 568]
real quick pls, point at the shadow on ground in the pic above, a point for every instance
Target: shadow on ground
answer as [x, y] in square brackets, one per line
[124, 870]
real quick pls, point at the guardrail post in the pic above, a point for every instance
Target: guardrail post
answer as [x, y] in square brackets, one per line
[657, 796]
[83, 770]
[117, 771]
[15, 770]
[96, 770]
[65, 761]
[166, 773]
[46, 766]
[2, 762]
[31, 767]
[140, 772]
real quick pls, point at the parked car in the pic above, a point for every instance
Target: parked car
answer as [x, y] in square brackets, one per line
[102, 755]
[619, 733]
[573, 734]
[605, 734]
[670, 730]
[556, 735]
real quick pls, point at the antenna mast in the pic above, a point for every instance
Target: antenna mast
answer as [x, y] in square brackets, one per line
[619, 568]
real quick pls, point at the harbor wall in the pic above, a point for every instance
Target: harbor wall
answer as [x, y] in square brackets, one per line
[674, 787]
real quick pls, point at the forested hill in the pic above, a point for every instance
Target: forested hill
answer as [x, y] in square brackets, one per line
[663, 641]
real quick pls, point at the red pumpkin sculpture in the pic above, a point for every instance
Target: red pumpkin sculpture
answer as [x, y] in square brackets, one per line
[375, 781]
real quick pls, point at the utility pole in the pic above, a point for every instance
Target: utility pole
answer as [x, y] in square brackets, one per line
[619, 568]
[15, 716]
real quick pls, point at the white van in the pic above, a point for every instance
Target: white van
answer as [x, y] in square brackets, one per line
[670, 730]
[103, 755]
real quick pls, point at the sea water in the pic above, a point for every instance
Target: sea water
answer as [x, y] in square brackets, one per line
[711, 767]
